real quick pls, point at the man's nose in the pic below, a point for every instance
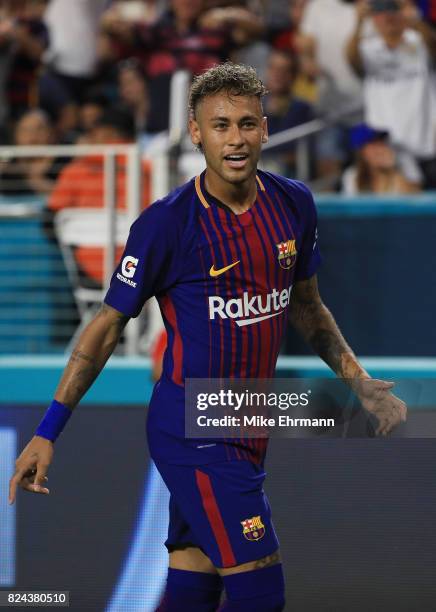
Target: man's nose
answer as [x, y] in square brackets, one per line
[235, 136]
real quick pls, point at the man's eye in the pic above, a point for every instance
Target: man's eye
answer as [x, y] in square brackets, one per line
[220, 126]
[249, 124]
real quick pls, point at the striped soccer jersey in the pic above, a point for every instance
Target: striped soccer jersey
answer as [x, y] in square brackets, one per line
[223, 282]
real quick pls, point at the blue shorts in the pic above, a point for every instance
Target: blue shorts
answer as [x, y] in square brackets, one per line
[220, 508]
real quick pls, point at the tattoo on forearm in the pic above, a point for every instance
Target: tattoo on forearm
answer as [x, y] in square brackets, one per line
[329, 347]
[77, 355]
[95, 346]
[82, 379]
[317, 325]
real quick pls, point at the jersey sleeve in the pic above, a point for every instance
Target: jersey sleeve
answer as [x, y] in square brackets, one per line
[150, 261]
[309, 257]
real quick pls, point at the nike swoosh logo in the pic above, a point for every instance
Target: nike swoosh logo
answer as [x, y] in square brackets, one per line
[243, 322]
[214, 272]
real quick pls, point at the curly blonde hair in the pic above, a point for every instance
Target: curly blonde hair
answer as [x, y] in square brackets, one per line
[235, 79]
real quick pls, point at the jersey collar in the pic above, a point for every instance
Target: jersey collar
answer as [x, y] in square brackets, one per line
[201, 191]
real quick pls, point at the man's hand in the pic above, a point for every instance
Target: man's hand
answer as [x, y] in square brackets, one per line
[31, 468]
[411, 14]
[376, 398]
[363, 10]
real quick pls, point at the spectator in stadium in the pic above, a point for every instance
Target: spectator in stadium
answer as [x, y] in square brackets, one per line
[378, 167]
[288, 37]
[90, 111]
[327, 80]
[23, 39]
[26, 175]
[71, 59]
[395, 63]
[283, 109]
[185, 37]
[285, 35]
[81, 184]
[133, 92]
[325, 28]
[311, 83]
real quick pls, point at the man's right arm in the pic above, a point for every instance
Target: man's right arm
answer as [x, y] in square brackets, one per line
[352, 49]
[94, 347]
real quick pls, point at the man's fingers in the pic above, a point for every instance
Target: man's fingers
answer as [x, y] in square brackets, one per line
[37, 489]
[13, 484]
[381, 427]
[403, 412]
[384, 384]
[386, 425]
[29, 486]
[40, 478]
[26, 479]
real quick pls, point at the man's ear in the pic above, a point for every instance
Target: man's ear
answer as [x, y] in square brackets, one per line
[264, 130]
[194, 131]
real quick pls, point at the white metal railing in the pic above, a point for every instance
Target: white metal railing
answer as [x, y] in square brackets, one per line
[301, 134]
[16, 208]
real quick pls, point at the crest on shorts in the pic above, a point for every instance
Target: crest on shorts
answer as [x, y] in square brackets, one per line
[287, 253]
[253, 528]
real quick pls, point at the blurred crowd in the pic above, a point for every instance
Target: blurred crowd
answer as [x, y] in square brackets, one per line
[69, 68]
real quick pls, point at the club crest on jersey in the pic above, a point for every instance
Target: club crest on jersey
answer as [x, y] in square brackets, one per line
[287, 254]
[253, 528]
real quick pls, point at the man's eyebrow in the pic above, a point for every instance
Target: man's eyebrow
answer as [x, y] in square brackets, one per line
[249, 118]
[226, 119]
[244, 118]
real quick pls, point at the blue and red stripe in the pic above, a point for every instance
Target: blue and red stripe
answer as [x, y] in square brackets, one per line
[215, 518]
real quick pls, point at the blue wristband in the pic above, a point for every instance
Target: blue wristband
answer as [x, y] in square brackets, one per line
[54, 421]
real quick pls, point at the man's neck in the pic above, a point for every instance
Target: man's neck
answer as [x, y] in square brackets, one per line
[238, 197]
[393, 41]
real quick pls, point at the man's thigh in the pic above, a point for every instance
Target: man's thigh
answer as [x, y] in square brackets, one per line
[221, 509]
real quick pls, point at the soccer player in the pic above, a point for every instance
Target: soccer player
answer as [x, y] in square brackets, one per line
[231, 256]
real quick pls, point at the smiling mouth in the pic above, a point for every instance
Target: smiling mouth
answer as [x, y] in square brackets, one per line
[236, 160]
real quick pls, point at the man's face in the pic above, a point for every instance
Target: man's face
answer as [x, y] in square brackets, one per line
[33, 129]
[389, 23]
[131, 86]
[280, 73]
[231, 131]
[89, 114]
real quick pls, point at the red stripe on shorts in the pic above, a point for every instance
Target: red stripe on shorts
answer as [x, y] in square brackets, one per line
[215, 519]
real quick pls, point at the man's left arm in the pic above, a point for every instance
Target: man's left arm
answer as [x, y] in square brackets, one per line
[314, 321]
[413, 20]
